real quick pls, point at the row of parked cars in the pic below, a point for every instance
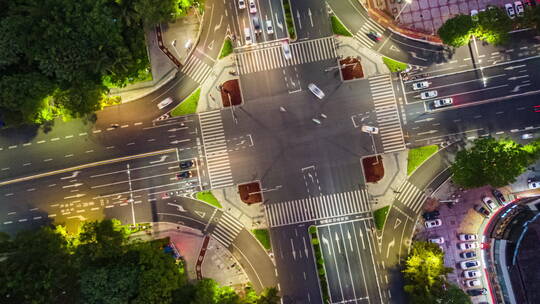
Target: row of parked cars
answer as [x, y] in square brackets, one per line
[489, 204]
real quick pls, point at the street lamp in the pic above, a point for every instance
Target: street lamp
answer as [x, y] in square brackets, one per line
[404, 6]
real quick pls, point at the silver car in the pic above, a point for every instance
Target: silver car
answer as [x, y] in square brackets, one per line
[439, 103]
[428, 94]
[316, 91]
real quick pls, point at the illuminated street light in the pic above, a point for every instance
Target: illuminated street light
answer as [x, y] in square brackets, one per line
[404, 6]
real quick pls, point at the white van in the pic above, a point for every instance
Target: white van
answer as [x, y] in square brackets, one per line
[167, 101]
[247, 33]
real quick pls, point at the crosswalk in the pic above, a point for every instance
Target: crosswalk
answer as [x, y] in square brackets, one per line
[227, 229]
[387, 114]
[368, 26]
[410, 196]
[271, 57]
[316, 208]
[215, 148]
[196, 69]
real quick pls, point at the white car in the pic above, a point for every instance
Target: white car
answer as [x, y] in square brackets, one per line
[527, 136]
[286, 50]
[469, 264]
[316, 91]
[510, 10]
[519, 8]
[433, 223]
[467, 237]
[247, 34]
[252, 7]
[474, 15]
[437, 240]
[472, 274]
[439, 103]
[241, 4]
[534, 185]
[420, 85]
[472, 283]
[165, 102]
[370, 129]
[428, 94]
[269, 27]
[489, 202]
[467, 246]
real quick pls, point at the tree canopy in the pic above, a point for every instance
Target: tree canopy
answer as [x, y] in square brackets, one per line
[493, 162]
[54, 54]
[101, 264]
[425, 276]
[457, 31]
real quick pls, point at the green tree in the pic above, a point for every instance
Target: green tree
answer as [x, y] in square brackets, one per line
[493, 26]
[492, 162]
[425, 272]
[457, 31]
[454, 295]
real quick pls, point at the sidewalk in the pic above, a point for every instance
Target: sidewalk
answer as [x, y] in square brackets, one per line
[210, 95]
[395, 173]
[251, 216]
[371, 61]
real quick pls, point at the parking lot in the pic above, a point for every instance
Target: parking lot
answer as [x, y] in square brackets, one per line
[458, 216]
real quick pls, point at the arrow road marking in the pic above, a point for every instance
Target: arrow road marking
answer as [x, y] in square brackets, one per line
[310, 18]
[279, 24]
[73, 175]
[428, 132]
[200, 213]
[179, 207]
[73, 185]
[325, 241]
[162, 158]
[518, 77]
[515, 67]
[397, 223]
[298, 17]
[362, 238]
[390, 245]
[413, 55]
[350, 242]
[424, 120]
[337, 243]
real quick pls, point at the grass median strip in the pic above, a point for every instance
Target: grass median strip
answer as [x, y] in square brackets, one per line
[263, 236]
[188, 105]
[226, 49]
[393, 65]
[338, 28]
[320, 263]
[380, 217]
[418, 155]
[289, 19]
[208, 197]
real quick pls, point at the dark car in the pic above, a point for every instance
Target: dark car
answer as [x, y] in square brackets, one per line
[185, 174]
[373, 35]
[257, 25]
[499, 196]
[467, 255]
[477, 292]
[186, 164]
[430, 215]
[483, 211]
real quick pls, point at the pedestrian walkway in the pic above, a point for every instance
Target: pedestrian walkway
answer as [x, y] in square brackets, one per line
[215, 148]
[272, 57]
[226, 230]
[317, 208]
[386, 110]
[361, 35]
[196, 69]
[410, 196]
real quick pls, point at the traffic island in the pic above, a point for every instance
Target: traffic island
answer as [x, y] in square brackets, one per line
[250, 193]
[373, 169]
[351, 68]
[230, 93]
[319, 261]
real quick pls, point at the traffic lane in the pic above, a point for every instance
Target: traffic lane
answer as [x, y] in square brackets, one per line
[278, 19]
[298, 277]
[351, 13]
[370, 259]
[338, 276]
[412, 51]
[214, 29]
[311, 19]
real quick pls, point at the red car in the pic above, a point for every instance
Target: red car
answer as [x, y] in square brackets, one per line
[529, 2]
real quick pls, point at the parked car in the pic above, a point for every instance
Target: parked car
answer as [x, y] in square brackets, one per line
[433, 223]
[476, 292]
[428, 94]
[467, 237]
[185, 174]
[370, 129]
[483, 211]
[519, 8]
[489, 202]
[316, 91]
[247, 33]
[420, 85]
[165, 102]
[499, 196]
[527, 136]
[474, 15]
[468, 246]
[241, 4]
[186, 164]
[375, 36]
[472, 283]
[534, 184]
[252, 7]
[439, 103]
[286, 50]
[510, 10]
[437, 240]
[269, 27]
[468, 255]
[469, 264]
[471, 274]
[431, 215]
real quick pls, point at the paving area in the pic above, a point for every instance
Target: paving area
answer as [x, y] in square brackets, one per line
[428, 15]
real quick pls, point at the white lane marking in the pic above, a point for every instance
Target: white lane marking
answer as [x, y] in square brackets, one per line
[68, 136]
[96, 131]
[83, 134]
[55, 139]
[41, 141]
[68, 155]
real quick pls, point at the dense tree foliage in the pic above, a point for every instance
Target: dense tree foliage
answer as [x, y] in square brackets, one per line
[493, 162]
[102, 265]
[425, 276]
[457, 31]
[54, 54]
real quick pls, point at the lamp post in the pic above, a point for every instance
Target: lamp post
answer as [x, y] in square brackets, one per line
[404, 6]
